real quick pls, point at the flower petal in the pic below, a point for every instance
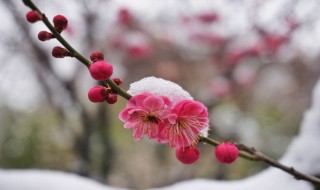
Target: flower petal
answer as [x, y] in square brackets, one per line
[138, 133]
[172, 118]
[162, 135]
[192, 109]
[179, 106]
[135, 114]
[153, 103]
[137, 100]
[166, 100]
[153, 130]
[124, 114]
[129, 125]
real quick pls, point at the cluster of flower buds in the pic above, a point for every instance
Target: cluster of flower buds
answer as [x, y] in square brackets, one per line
[100, 93]
[101, 71]
[60, 23]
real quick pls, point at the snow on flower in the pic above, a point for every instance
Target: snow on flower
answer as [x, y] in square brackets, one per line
[144, 114]
[163, 111]
[161, 87]
[187, 119]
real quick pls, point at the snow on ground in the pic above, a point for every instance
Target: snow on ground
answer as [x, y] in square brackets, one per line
[46, 180]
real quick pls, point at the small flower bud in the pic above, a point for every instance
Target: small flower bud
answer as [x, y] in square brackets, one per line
[112, 98]
[33, 16]
[101, 70]
[60, 52]
[118, 81]
[96, 56]
[44, 36]
[105, 92]
[97, 94]
[60, 22]
[187, 155]
[226, 152]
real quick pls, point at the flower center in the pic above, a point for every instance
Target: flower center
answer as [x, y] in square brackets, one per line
[150, 117]
[181, 123]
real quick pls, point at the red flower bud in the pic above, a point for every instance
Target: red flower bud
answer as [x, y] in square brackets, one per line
[44, 36]
[97, 94]
[187, 155]
[60, 22]
[226, 152]
[96, 56]
[60, 52]
[101, 70]
[112, 98]
[33, 16]
[118, 81]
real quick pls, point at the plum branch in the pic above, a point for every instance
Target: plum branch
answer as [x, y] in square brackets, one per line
[246, 152]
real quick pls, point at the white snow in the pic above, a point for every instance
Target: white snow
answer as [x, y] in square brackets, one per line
[159, 87]
[46, 180]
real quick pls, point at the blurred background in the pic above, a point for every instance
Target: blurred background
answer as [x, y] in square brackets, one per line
[252, 62]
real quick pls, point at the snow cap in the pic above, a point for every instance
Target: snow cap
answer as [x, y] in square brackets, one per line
[160, 87]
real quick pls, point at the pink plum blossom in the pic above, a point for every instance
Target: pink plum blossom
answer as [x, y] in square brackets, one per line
[145, 114]
[183, 125]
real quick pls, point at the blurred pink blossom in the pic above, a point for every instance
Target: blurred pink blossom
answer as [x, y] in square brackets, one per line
[208, 17]
[137, 45]
[220, 87]
[125, 17]
[208, 38]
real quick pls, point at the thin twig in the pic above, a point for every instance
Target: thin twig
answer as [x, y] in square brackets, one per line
[264, 158]
[254, 155]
